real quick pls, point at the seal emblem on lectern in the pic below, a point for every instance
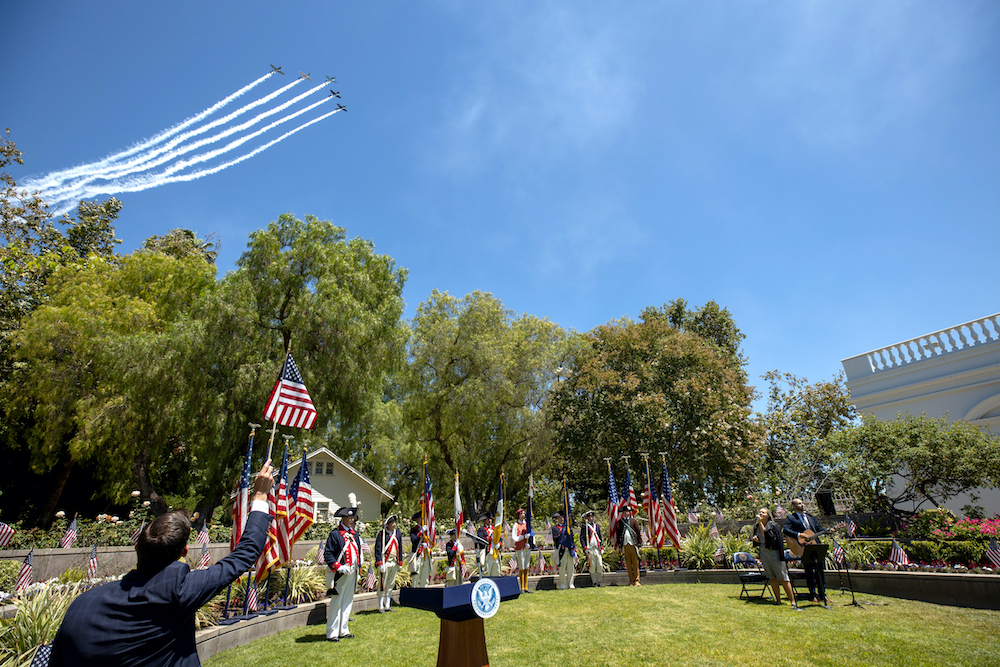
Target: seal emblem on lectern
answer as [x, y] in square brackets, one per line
[485, 598]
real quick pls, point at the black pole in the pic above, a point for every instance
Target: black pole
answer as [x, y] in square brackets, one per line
[225, 613]
[288, 576]
[246, 593]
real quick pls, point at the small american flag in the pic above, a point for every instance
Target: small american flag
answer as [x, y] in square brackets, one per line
[6, 534]
[993, 552]
[24, 578]
[720, 552]
[92, 564]
[692, 517]
[289, 403]
[465, 570]
[897, 555]
[365, 548]
[203, 534]
[251, 594]
[137, 532]
[852, 527]
[512, 564]
[69, 537]
[714, 532]
[719, 517]
[370, 579]
[205, 557]
[319, 554]
[838, 552]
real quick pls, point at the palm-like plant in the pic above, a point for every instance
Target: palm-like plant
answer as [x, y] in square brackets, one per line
[698, 548]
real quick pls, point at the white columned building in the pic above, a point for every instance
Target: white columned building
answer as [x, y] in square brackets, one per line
[954, 372]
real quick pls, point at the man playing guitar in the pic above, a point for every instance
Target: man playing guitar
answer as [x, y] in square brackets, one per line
[801, 529]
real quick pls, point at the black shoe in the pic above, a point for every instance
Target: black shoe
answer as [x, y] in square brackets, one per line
[389, 610]
[333, 639]
[348, 636]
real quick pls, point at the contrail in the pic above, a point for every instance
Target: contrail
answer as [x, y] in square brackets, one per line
[163, 153]
[165, 176]
[56, 177]
[157, 181]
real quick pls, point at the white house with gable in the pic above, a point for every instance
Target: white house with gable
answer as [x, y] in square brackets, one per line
[953, 372]
[332, 479]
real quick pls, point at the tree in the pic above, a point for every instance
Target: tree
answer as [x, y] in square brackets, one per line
[650, 387]
[798, 458]
[475, 391]
[916, 459]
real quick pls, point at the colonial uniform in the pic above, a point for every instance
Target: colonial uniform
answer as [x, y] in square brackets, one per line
[342, 555]
[388, 560]
[490, 562]
[563, 540]
[421, 557]
[522, 553]
[590, 540]
[453, 550]
[629, 540]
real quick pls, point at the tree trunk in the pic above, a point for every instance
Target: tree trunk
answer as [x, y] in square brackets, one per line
[140, 471]
[48, 510]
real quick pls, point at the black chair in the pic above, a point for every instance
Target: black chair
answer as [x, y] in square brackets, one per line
[748, 570]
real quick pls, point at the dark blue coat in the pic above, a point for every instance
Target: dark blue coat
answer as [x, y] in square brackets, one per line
[563, 539]
[333, 552]
[148, 619]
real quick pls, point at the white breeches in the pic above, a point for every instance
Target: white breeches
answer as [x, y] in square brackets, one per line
[338, 611]
[596, 565]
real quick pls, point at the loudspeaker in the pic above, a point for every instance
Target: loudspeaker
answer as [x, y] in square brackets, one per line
[824, 501]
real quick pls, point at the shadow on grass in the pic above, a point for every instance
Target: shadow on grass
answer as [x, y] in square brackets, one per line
[311, 639]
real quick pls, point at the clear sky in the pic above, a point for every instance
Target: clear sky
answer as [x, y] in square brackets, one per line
[827, 170]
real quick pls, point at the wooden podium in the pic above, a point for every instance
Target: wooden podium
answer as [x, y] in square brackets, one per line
[462, 640]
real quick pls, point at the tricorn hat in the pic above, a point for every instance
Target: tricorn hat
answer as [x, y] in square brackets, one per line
[346, 511]
[415, 517]
[389, 519]
[588, 513]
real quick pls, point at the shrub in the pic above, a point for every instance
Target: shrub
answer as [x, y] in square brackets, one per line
[612, 560]
[925, 522]
[698, 548]
[36, 621]
[72, 575]
[924, 551]
[8, 574]
[962, 552]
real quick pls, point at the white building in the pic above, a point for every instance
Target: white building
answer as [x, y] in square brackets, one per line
[954, 372]
[332, 479]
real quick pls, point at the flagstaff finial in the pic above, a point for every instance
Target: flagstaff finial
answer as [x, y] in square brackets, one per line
[253, 426]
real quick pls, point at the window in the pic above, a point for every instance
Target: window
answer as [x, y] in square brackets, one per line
[319, 468]
[322, 511]
[329, 467]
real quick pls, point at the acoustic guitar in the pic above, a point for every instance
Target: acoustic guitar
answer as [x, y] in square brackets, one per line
[798, 545]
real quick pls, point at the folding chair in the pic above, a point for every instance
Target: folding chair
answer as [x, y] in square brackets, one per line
[750, 574]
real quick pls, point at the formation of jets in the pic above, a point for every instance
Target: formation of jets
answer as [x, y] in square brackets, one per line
[329, 79]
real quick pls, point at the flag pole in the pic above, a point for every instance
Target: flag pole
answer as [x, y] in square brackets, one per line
[288, 566]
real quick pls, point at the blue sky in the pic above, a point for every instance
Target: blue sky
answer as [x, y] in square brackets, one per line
[828, 171]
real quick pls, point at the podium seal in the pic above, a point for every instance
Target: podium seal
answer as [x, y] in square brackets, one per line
[485, 598]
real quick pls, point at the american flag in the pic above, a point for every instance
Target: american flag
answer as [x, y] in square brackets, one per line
[24, 578]
[289, 403]
[897, 555]
[654, 510]
[719, 517]
[301, 490]
[203, 537]
[6, 534]
[614, 505]
[512, 564]
[278, 550]
[92, 563]
[465, 570]
[69, 537]
[692, 517]
[319, 554]
[714, 532]
[251, 594]
[838, 551]
[720, 552]
[241, 504]
[993, 552]
[669, 512]
[371, 579]
[630, 498]
[852, 527]
[137, 532]
[427, 507]
[205, 557]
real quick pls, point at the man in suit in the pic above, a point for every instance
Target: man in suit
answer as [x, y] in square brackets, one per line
[147, 618]
[629, 539]
[388, 560]
[342, 555]
[797, 523]
[562, 537]
[590, 540]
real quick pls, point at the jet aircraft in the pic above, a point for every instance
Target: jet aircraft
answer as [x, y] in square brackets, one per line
[304, 75]
[277, 69]
[335, 94]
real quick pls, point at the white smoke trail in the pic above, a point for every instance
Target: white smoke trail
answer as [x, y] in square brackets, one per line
[147, 184]
[163, 154]
[57, 177]
[116, 186]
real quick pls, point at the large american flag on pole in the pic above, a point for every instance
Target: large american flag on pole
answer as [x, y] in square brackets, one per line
[427, 507]
[301, 491]
[278, 550]
[669, 513]
[289, 403]
[614, 504]
[628, 489]
[241, 504]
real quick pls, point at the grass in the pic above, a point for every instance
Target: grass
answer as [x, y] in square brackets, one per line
[670, 624]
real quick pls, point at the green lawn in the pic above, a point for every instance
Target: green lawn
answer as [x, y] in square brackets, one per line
[671, 624]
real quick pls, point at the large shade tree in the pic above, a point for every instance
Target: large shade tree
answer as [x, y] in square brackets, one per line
[649, 386]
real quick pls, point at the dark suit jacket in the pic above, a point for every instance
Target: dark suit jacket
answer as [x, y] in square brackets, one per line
[148, 619]
[793, 525]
